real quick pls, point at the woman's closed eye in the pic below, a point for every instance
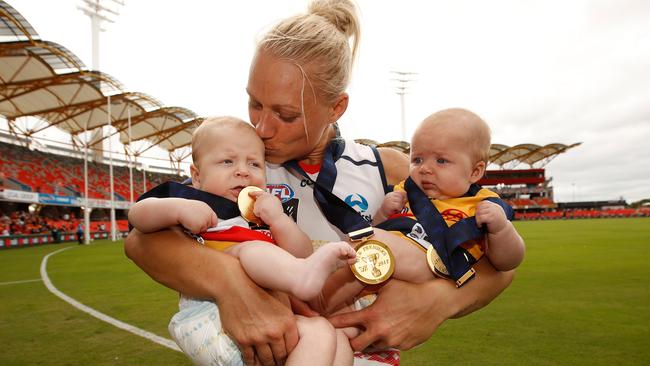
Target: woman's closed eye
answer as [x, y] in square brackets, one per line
[254, 105]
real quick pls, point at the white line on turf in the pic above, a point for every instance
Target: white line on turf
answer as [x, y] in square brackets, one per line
[16, 282]
[101, 316]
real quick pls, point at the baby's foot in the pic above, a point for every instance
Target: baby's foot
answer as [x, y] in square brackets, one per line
[320, 265]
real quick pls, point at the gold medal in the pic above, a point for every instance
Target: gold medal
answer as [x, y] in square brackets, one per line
[375, 262]
[246, 204]
[436, 264]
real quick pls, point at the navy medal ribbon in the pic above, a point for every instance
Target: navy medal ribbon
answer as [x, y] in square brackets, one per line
[336, 211]
[445, 240]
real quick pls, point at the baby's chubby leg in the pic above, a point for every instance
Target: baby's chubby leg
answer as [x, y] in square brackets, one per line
[317, 344]
[274, 268]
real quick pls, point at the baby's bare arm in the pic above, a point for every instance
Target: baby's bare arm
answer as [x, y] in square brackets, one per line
[285, 231]
[505, 248]
[393, 203]
[155, 214]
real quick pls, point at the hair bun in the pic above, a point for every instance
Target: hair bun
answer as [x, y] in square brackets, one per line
[341, 13]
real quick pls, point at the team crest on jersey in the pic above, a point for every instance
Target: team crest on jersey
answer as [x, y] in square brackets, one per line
[356, 200]
[453, 215]
[281, 191]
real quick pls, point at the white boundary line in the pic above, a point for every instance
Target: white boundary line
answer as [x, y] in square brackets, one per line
[101, 316]
[16, 282]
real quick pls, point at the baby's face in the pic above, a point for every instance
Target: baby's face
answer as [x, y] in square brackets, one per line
[441, 164]
[233, 160]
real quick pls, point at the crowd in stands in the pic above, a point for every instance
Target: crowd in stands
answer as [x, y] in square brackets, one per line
[25, 223]
[583, 214]
[36, 171]
[534, 202]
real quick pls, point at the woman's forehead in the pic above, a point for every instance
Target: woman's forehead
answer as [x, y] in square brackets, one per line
[281, 80]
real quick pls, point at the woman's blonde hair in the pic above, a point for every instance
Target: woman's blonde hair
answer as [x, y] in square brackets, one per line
[319, 40]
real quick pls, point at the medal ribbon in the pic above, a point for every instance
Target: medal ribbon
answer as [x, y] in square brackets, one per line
[445, 240]
[336, 211]
[224, 208]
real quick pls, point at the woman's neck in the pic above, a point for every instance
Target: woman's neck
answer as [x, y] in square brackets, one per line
[316, 155]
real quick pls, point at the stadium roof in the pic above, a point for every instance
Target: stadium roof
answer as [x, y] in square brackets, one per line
[45, 80]
[501, 155]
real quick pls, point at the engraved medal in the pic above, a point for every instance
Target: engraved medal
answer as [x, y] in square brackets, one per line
[375, 262]
[246, 203]
[436, 264]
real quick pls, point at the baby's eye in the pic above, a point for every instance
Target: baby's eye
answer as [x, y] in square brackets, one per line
[441, 161]
[226, 161]
[255, 164]
[416, 160]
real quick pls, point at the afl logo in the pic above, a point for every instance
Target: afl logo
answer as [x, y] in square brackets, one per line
[281, 191]
[453, 215]
[356, 200]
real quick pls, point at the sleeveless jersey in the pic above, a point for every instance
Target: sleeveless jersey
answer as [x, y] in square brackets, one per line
[360, 182]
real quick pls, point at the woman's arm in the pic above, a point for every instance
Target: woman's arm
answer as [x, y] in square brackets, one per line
[393, 322]
[262, 326]
[396, 164]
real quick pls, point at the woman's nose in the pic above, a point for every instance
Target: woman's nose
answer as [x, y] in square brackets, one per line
[264, 125]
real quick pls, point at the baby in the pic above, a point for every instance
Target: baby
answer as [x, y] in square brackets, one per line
[228, 156]
[449, 154]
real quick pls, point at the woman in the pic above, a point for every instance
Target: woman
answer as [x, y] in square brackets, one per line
[296, 91]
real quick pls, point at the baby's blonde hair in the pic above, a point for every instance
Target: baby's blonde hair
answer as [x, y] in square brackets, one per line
[319, 39]
[212, 124]
[475, 130]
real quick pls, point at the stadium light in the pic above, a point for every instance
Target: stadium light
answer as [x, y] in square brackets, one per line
[403, 78]
[99, 11]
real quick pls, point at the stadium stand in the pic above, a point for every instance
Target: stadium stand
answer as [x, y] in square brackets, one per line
[41, 172]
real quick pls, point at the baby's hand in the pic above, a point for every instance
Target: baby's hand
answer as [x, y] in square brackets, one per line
[196, 216]
[492, 215]
[267, 207]
[394, 203]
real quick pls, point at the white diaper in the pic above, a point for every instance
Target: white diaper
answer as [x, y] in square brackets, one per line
[196, 328]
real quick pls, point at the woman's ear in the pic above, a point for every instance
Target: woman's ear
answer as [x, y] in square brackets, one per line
[196, 180]
[477, 172]
[339, 107]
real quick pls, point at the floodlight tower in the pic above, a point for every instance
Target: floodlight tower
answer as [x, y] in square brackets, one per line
[403, 79]
[100, 11]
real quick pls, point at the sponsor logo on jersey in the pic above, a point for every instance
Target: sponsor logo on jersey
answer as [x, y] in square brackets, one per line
[357, 201]
[281, 191]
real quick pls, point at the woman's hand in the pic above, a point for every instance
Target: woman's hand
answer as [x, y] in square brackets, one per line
[405, 314]
[263, 327]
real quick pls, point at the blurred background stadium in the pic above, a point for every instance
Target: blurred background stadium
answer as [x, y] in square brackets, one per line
[48, 188]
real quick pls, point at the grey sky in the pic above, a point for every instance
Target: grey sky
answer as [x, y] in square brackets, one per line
[537, 71]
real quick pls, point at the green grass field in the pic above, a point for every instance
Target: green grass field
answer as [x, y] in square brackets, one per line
[582, 296]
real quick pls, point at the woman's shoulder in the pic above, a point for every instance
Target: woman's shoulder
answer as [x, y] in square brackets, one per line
[396, 164]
